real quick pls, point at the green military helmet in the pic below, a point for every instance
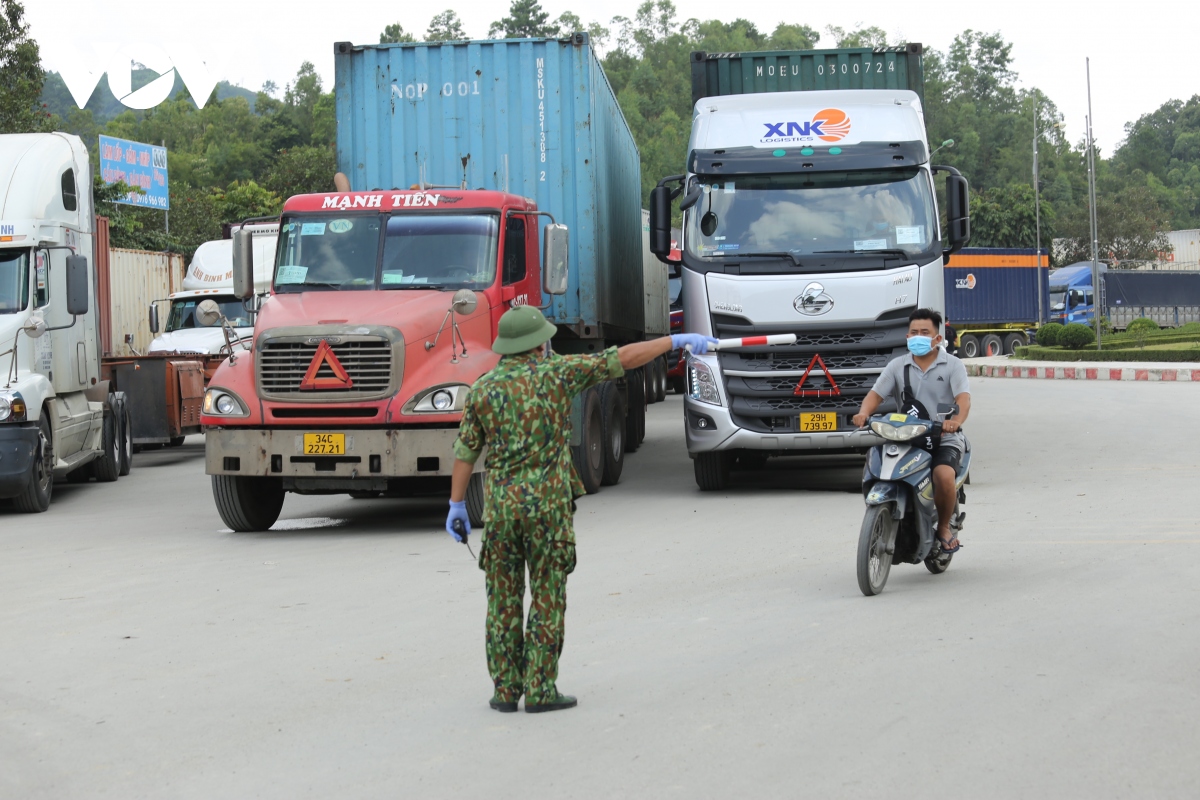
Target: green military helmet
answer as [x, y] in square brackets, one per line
[522, 328]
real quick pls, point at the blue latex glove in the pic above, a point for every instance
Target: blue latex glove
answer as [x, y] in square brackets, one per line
[697, 342]
[458, 511]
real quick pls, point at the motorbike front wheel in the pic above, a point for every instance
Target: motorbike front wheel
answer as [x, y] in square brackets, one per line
[874, 562]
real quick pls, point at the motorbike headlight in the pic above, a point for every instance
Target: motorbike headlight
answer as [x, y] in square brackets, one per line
[703, 383]
[439, 400]
[899, 433]
[223, 403]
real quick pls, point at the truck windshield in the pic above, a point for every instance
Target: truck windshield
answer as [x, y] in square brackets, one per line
[454, 251]
[868, 211]
[183, 313]
[14, 280]
[1058, 298]
[327, 252]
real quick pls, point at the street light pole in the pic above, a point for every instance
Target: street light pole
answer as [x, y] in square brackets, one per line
[1037, 214]
[1096, 293]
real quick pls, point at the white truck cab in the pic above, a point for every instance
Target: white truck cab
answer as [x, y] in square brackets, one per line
[210, 277]
[56, 414]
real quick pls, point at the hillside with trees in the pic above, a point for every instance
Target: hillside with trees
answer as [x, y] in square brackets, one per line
[244, 152]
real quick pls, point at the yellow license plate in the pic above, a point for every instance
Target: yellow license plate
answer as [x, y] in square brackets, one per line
[818, 422]
[324, 444]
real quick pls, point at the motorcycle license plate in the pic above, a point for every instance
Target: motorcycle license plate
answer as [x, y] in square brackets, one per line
[324, 444]
[818, 422]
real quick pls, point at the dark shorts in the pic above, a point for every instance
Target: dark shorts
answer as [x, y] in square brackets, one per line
[948, 456]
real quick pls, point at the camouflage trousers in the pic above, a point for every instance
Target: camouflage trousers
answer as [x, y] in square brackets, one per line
[526, 661]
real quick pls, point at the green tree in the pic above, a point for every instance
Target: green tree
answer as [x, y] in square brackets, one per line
[526, 20]
[302, 170]
[1005, 217]
[569, 22]
[445, 27]
[1130, 227]
[21, 74]
[394, 34]
[862, 37]
[242, 200]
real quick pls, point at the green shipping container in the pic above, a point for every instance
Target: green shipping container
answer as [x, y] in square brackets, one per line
[715, 74]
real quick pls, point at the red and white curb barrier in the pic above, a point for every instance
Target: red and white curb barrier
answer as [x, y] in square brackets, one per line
[1084, 373]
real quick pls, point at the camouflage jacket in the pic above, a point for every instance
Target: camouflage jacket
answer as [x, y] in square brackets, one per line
[521, 411]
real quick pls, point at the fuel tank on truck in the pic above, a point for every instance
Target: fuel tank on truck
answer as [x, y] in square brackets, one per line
[534, 117]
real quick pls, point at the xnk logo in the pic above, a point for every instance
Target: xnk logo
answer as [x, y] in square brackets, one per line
[119, 64]
[828, 125]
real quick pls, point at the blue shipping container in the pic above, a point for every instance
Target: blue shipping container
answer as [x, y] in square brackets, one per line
[535, 117]
[996, 286]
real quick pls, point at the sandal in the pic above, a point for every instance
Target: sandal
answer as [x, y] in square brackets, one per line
[943, 542]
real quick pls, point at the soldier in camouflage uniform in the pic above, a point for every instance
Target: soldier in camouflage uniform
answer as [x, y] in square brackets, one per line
[521, 412]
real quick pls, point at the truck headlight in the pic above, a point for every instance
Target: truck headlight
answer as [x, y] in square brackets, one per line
[703, 383]
[224, 403]
[12, 408]
[439, 400]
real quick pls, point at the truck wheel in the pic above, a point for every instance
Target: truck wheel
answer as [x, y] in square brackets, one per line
[660, 384]
[476, 494]
[675, 382]
[712, 471]
[613, 424]
[248, 504]
[176, 441]
[1013, 341]
[107, 467]
[992, 345]
[589, 455]
[126, 437]
[968, 345]
[36, 497]
[635, 412]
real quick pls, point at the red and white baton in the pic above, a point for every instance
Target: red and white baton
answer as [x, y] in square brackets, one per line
[751, 341]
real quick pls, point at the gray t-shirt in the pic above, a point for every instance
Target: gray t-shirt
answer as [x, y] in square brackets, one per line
[945, 379]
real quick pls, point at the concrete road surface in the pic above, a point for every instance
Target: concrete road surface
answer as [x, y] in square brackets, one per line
[718, 642]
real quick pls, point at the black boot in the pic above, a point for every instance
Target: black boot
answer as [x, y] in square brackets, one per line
[558, 704]
[505, 706]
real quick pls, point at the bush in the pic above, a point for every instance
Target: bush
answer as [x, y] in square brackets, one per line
[1047, 335]
[1076, 336]
[1142, 324]
[1035, 353]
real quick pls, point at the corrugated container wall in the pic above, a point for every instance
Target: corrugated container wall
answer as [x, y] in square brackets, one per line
[994, 286]
[535, 117]
[715, 74]
[136, 279]
[1185, 252]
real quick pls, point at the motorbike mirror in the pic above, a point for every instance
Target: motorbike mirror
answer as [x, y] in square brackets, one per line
[208, 313]
[464, 301]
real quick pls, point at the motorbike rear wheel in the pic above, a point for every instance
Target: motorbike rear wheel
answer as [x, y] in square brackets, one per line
[874, 562]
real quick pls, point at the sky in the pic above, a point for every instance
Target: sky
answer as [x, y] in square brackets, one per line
[248, 42]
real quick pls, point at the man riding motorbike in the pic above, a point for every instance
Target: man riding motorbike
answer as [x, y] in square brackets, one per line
[920, 381]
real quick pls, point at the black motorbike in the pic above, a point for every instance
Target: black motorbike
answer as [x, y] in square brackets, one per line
[901, 520]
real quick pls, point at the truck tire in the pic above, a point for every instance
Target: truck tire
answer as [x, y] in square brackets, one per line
[126, 435]
[1013, 341]
[589, 455]
[676, 383]
[635, 412]
[476, 494]
[968, 346]
[992, 345]
[107, 467]
[613, 424]
[712, 471]
[36, 497]
[248, 504]
[660, 379]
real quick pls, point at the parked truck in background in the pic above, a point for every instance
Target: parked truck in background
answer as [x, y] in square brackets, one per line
[58, 417]
[210, 277]
[458, 160]
[996, 298]
[809, 208]
[1071, 295]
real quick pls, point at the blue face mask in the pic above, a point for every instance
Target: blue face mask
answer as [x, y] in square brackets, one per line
[920, 345]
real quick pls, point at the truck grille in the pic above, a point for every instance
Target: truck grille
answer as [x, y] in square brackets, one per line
[282, 364]
[762, 399]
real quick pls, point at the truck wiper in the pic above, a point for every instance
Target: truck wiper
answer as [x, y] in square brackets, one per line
[867, 252]
[792, 256]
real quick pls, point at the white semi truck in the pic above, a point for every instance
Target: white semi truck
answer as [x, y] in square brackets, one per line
[210, 277]
[809, 208]
[58, 418]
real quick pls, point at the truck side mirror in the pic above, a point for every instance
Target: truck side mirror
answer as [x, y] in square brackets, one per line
[958, 213]
[154, 318]
[556, 242]
[243, 264]
[660, 221]
[77, 285]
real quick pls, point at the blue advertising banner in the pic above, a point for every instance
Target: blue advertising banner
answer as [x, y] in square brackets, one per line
[137, 164]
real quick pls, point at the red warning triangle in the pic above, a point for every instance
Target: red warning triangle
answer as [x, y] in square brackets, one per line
[325, 355]
[835, 391]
